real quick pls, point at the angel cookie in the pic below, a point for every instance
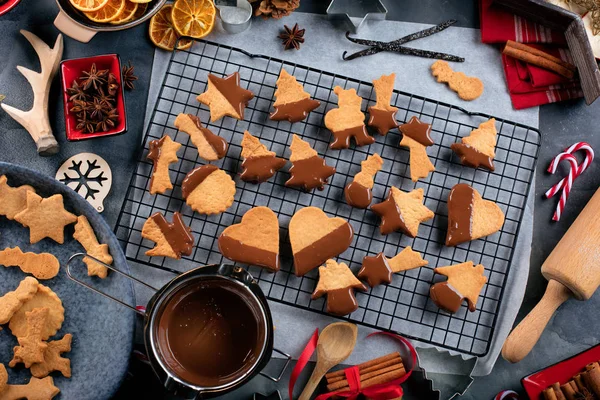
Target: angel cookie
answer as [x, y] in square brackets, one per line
[382, 116]
[416, 137]
[292, 103]
[465, 281]
[224, 96]
[358, 192]
[347, 121]
[478, 149]
[338, 282]
[402, 211]
[210, 146]
[259, 164]
[308, 170]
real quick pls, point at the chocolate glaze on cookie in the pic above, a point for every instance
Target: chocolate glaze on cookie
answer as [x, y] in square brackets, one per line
[460, 214]
[417, 131]
[177, 233]
[194, 178]
[342, 138]
[230, 88]
[218, 144]
[358, 195]
[376, 270]
[340, 301]
[238, 251]
[261, 168]
[446, 297]
[154, 149]
[309, 173]
[471, 157]
[391, 217]
[382, 120]
[330, 245]
[295, 111]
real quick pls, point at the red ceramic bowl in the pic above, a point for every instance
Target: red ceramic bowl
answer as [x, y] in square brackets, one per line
[561, 372]
[7, 6]
[70, 71]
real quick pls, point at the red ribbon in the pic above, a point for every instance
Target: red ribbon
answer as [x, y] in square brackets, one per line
[384, 391]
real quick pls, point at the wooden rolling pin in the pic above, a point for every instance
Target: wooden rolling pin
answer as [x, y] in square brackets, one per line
[572, 269]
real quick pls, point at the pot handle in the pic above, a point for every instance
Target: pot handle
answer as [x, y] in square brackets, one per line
[72, 29]
[287, 362]
[82, 255]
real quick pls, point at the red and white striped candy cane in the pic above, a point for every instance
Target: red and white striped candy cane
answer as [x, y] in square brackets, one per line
[589, 157]
[568, 183]
[506, 394]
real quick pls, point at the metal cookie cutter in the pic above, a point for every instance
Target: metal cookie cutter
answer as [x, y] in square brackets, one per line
[355, 13]
[235, 18]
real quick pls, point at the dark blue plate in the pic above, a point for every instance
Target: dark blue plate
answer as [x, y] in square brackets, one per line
[102, 329]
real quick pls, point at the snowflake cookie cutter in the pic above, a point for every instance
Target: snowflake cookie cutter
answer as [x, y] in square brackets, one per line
[89, 175]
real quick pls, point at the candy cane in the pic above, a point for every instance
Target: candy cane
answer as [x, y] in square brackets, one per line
[506, 394]
[589, 157]
[568, 183]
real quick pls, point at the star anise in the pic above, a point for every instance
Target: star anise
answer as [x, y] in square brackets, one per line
[292, 38]
[128, 76]
[80, 106]
[84, 124]
[113, 84]
[98, 109]
[584, 395]
[108, 121]
[105, 99]
[76, 92]
[93, 77]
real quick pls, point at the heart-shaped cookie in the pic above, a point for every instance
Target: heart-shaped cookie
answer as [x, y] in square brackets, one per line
[255, 240]
[470, 216]
[316, 238]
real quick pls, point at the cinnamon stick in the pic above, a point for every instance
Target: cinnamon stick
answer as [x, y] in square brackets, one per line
[580, 382]
[372, 378]
[341, 377]
[592, 377]
[540, 61]
[365, 365]
[570, 390]
[541, 53]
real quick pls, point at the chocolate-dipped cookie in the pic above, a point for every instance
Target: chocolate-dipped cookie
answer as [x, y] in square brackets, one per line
[208, 190]
[416, 136]
[259, 163]
[162, 152]
[358, 192]
[308, 170]
[338, 282]
[382, 116]
[210, 146]
[479, 148]
[172, 239]
[402, 211]
[224, 96]
[465, 282]
[347, 121]
[292, 103]
[379, 269]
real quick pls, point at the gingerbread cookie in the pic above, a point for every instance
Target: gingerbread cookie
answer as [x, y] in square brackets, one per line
[479, 148]
[52, 359]
[347, 121]
[85, 235]
[464, 282]
[471, 217]
[255, 240]
[338, 282]
[382, 116]
[416, 137]
[11, 302]
[211, 147]
[162, 152]
[292, 103]
[42, 265]
[406, 260]
[224, 96]
[358, 192]
[259, 163]
[13, 200]
[467, 87]
[315, 238]
[45, 218]
[172, 239]
[44, 297]
[308, 170]
[36, 389]
[402, 211]
[3, 378]
[208, 190]
[31, 348]
[379, 269]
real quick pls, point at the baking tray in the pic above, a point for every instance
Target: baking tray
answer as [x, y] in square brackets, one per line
[402, 306]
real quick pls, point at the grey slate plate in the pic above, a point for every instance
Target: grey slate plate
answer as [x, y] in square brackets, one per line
[102, 329]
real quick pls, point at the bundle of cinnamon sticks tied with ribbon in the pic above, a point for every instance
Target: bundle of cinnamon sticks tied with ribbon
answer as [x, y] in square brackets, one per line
[375, 372]
[584, 386]
[534, 56]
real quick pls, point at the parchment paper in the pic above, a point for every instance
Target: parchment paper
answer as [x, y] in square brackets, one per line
[324, 44]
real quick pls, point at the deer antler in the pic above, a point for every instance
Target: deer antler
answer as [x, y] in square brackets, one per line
[36, 120]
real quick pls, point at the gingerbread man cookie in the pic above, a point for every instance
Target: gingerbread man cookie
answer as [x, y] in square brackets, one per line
[358, 192]
[416, 137]
[292, 103]
[52, 359]
[478, 149]
[338, 282]
[172, 239]
[382, 116]
[259, 164]
[308, 170]
[162, 152]
[464, 282]
[224, 96]
[402, 211]
[208, 190]
[347, 121]
[210, 146]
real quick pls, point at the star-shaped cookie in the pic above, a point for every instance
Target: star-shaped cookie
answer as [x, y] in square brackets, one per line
[45, 218]
[402, 211]
[224, 96]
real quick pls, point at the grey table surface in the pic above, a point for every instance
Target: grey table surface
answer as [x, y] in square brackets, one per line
[573, 329]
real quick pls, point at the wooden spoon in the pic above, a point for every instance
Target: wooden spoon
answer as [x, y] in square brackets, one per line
[335, 344]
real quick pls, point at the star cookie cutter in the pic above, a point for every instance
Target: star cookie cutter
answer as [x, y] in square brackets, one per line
[355, 13]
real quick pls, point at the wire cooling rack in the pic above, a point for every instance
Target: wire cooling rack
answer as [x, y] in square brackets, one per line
[404, 305]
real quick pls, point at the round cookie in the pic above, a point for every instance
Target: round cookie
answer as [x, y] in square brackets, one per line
[208, 190]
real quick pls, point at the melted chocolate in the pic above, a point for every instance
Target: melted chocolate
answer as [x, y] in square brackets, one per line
[309, 173]
[210, 333]
[330, 245]
[417, 131]
[340, 301]
[177, 233]
[460, 213]
[295, 111]
[238, 251]
[376, 270]
[471, 157]
[391, 218]
[382, 120]
[154, 154]
[230, 88]
[218, 144]
[260, 169]
[194, 178]
[358, 195]
[446, 297]
[359, 133]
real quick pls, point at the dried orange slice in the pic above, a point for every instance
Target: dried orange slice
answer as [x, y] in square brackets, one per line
[162, 32]
[194, 18]
[141, 1]
[141, 10]
[112, 10]
[127, 14]
[88, 5]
